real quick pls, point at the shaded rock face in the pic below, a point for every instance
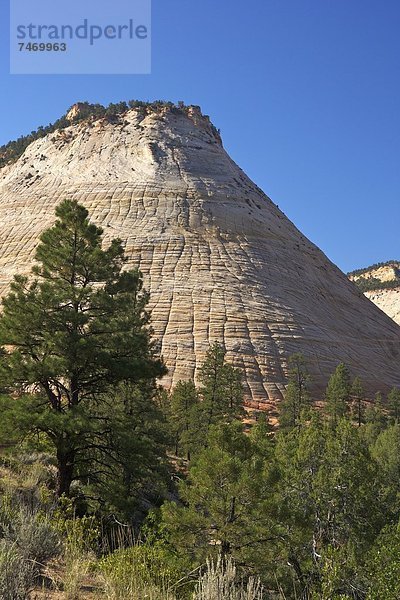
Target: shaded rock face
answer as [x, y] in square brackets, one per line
[221, 261]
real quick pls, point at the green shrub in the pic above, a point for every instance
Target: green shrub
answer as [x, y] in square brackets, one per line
[79, 533]
[143, 571]
[35, 537]
[17, 575]
[384, 566]
[29, 531]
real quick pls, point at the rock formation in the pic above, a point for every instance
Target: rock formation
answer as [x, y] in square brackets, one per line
[383, 281]
[221, 261]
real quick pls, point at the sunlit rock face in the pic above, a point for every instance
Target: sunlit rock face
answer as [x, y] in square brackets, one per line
[220, 260]
[386, 297]
[387, 300]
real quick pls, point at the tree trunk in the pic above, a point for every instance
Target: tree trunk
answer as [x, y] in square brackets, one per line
[65, 472]
[225, 548]
[294, 563]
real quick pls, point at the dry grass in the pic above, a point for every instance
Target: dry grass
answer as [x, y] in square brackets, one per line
[220, 582]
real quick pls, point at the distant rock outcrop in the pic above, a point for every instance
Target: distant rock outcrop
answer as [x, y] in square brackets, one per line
[75, 111]
[220, 260]
[381, 284]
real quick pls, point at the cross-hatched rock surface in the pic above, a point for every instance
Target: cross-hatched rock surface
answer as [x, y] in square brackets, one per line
[220, 260]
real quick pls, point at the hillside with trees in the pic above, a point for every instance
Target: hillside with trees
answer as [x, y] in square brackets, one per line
[380, 276]
[113, 487]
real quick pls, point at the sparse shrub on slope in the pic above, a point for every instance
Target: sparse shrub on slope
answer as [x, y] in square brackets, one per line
[17, 575]
[34, 536]
[28, 539]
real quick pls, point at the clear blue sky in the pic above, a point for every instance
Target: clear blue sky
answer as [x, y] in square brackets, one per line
[306, 93]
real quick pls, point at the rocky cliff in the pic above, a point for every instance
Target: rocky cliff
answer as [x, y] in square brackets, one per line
[381, 284]
[220, 260]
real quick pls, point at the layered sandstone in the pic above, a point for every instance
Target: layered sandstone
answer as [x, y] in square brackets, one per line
[387, 300]
[386, 284]
[221, 261]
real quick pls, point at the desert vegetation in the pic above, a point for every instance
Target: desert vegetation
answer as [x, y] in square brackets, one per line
[113, 488]
[371, 284]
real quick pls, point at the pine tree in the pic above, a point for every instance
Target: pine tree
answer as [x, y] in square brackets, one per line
[386, 452]
[375, 414]
[221, 391]
[262, 435]
[227, 498]
[70, 333]
[185, 416]
[375, 420]
[125, 463]
[297, 396]
[357, 397]
[394, 403]
[338, 393]
[330, 493]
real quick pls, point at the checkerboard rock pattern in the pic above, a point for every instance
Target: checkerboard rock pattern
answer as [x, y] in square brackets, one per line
[220, 260]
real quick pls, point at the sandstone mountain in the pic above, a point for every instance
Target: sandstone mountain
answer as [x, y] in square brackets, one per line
[221, 261]
[381, 284]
